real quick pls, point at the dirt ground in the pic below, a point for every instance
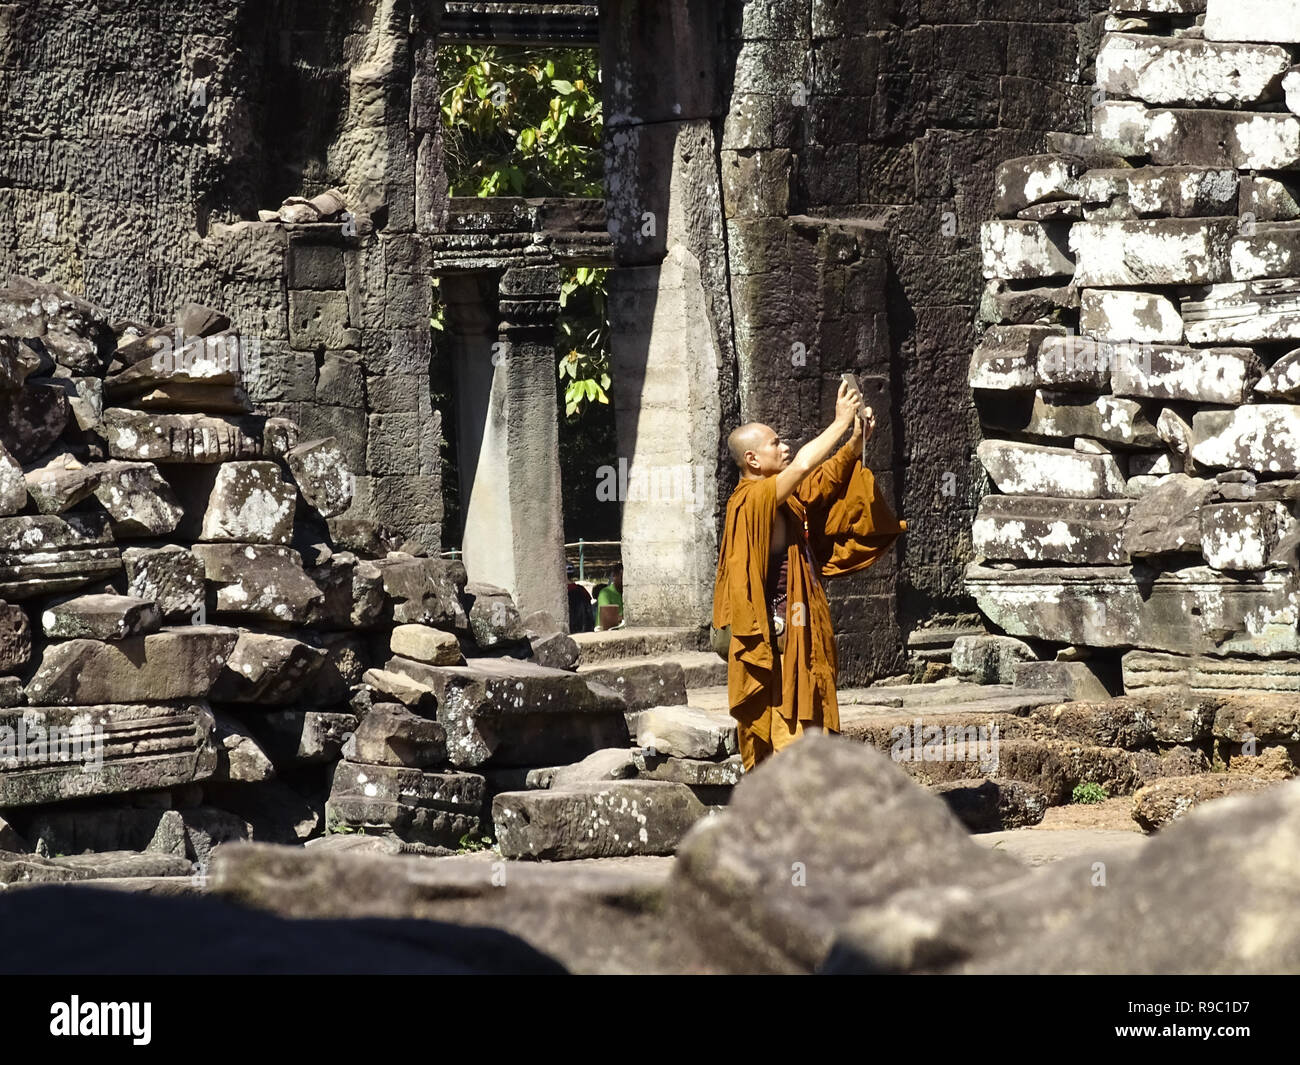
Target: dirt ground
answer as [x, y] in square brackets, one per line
[1115, 815]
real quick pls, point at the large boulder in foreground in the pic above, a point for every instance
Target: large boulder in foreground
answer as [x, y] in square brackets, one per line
[822, 831]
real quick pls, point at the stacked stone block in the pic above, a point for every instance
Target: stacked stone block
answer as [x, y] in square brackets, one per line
[1135, 381]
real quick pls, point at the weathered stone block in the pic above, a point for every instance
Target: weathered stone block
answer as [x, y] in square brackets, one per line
[268, 671]
[31, 420]
[1040, 529]
[260, 580]
[323, 475]
[390, 734]
[1244, 313]
[1144, 317]
[1074, 680]
[1242, 536]
[140, 436]
[1251, 20]
[1191, 610]
[1029, 469]
[436, 808]
[144, 747]
[15, 640]
[425, 591]
[1072, 414]
[424, 644]
[170, 576]
[178, 663]
[1166, 519]
[1264, 437]
[1266, 249]
[684, 732]
[1033, 179]
[990, 659]
[1156, 251]
[1282, 379]
[595, 820]
[1161, 70]
[250, 504]
[513, 712]
[139, 501]
[1024, 250]
[1007, 355]
[1243, 140]
[101, 617]
[46, 554]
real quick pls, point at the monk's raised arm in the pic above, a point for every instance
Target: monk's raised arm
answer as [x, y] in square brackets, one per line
[816, 451]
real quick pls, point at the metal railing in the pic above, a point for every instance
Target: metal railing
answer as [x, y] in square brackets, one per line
[603, 559]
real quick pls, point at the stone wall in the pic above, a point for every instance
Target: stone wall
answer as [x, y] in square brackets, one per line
[143, 139]
[1140, 380]
[857, 164]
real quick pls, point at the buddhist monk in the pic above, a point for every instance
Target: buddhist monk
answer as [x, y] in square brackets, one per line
[790, 525]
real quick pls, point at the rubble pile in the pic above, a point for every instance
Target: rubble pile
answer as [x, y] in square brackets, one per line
[199, 644]
[1139, 382]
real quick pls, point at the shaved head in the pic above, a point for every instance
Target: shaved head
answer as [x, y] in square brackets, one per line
[749, 437]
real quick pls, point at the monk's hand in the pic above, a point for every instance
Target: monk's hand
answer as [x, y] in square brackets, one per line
[847, 404]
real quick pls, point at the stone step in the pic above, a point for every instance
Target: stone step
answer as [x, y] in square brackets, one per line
[617, 644]
[644, 682]
[702, 669]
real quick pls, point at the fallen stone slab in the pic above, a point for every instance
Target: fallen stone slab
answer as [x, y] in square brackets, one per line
[1147, 670]
[1018, 304]
[177, 663]
[389, 734]
[693, 772]
[1016, 250]
[13, 485]
[169, 576]
[494, 619]
[353, 594]
[1073, 680]
[1265, 250]
[1251, 20]
[1106, 419]
[32, 869]
[1200, 375]
[1242, 536]
[425, 591]
[1163, 70]
[1031, 469]
[437, 808]
[73, 331]
[46, 554]
[601, 820]
[240, 756]
[1244, 140]
[141, 436]
[410, 693]
[192, 833]
[1071, 363]
[1166, 191]
[1167, 518]
[266, 670]
[1034, 179]
[614, 763]
[1269, 198]
[60, 484]
[102, 750]
[990, 659]
[101, 617]
[1282, 381]
[249, 504]
[1046, 529]
[1244, 312]
[1007, 355]
[730, 888]
[1141, 317]
[1194, 609]
[1259, 717]
[1163, 802]
[321, 471]
[642, 684]
[557, 650]
[139, 502]
[1263, 437]
[988, 805]
[1152, 251]
[684, 732]
[506, 712]
[259, 580]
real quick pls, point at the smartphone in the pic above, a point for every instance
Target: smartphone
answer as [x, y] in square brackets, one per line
[851, 379]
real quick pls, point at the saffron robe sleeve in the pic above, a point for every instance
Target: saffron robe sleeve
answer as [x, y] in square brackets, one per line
[850, 525]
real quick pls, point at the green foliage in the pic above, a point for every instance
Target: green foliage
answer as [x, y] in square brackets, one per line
[1089, 793]
[521, 122]
[469, 845]
[583, 341]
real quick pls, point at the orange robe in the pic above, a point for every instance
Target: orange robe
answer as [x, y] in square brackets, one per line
[849, 527]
